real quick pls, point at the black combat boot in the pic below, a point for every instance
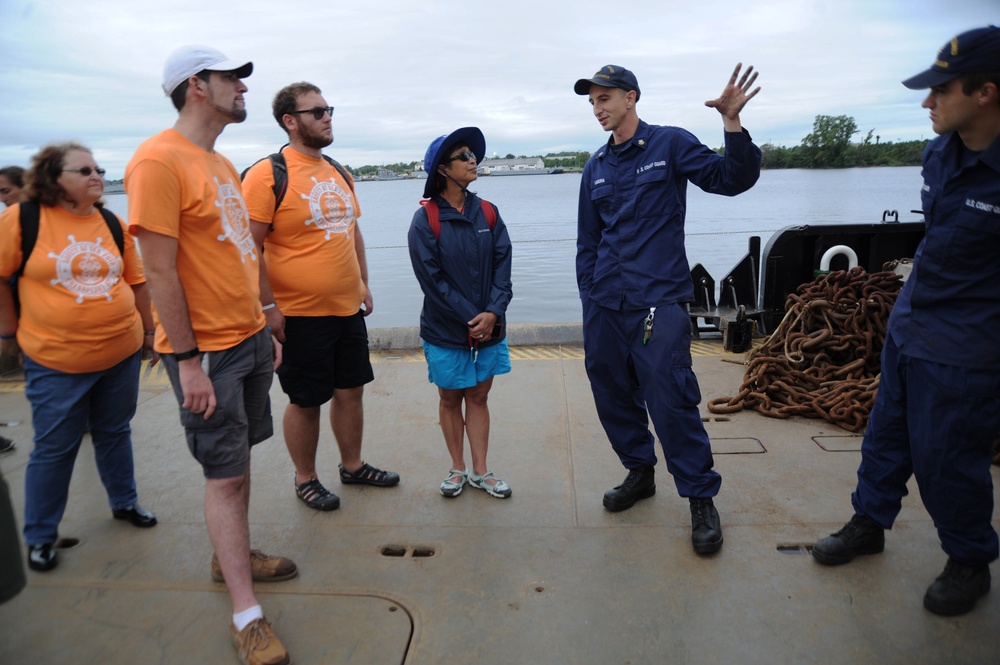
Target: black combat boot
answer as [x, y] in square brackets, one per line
[859, 536]
[638, 484]
[706, 529]
[957, 589]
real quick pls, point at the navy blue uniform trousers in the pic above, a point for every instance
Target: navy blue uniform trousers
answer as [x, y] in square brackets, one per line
[936, 422]
[634, 383]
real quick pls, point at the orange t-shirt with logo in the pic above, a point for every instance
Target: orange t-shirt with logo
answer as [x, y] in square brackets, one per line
[177, 189]
[77, 308]
[311, 258]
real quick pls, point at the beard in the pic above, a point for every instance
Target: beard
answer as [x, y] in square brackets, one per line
[314, 140]
[234, 113]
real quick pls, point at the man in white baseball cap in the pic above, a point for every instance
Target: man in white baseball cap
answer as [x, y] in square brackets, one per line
[186, 207]
[188, 61]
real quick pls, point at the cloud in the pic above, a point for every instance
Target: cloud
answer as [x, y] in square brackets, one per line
[400, 73]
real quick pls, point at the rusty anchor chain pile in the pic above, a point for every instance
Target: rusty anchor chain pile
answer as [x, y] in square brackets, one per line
[823, 360]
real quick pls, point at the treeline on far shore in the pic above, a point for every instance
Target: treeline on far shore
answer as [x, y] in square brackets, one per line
[827, 146]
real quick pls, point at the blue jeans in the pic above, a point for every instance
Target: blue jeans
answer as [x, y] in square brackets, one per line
[62, 405]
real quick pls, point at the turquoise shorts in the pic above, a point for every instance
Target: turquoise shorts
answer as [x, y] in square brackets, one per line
[455, 369]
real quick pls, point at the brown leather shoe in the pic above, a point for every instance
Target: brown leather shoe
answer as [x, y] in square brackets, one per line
[263, 568]
[258, 645]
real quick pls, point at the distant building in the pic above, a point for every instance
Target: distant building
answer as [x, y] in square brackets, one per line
[520, 164]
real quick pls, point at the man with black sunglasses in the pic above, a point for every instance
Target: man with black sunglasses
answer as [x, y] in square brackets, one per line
[314, 290]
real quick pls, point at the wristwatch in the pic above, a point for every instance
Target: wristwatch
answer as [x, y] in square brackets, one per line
[187, 354]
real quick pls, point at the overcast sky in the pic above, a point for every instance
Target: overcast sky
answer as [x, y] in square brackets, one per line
[401, 72]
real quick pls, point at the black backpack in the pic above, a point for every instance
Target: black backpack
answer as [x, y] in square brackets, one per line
[30, 214]
[279, 168]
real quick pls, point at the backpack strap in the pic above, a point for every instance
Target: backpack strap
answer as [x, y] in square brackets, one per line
[30, 213]
[490, 212]
[434, 214]
[344, 173]
[279, 172]
[29, 216]
[116, 229]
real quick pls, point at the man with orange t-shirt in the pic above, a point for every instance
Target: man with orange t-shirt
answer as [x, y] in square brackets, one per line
[187, 210]
[313, 284]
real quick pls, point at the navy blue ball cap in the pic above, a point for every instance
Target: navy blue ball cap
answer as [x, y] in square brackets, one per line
[470, 136]
[609, 76]
[971, 52]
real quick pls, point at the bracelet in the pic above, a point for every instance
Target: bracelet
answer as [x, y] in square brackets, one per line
[149, 333]
[13, 336]
[264, 308]
[187, 354]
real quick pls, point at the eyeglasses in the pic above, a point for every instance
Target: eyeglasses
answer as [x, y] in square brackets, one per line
[85, 171]
[317, 112]
[465, 156]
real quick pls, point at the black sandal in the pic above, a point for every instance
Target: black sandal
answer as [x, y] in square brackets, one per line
[317, 497]
[369, 475]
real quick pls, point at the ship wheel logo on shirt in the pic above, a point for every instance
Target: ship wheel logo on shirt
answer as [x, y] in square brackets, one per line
[332, 208]
[235, 220]
[80, 268]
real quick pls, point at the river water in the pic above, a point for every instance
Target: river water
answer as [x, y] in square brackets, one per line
[540, 212]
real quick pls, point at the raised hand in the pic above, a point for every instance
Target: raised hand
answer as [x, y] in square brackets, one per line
[734, 97]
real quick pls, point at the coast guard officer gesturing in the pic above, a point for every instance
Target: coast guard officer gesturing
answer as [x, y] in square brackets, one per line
[634, 279]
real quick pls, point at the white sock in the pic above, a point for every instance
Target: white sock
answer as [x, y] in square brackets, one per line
[243, 619]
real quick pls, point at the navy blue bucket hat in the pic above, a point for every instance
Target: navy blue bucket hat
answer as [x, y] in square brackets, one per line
[470, 136]
[971, 52]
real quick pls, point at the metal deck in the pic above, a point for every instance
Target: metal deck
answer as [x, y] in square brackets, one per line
[404, 575]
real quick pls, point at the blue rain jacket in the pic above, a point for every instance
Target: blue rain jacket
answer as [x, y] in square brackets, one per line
[462, 274]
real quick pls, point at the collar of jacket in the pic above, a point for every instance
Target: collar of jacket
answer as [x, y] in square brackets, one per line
[448, 211]
[640, 140]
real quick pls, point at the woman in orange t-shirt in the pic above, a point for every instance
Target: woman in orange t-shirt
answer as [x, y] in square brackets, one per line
[84, 307]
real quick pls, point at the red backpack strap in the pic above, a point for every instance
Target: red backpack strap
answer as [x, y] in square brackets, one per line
[490, 212]
[433, 216]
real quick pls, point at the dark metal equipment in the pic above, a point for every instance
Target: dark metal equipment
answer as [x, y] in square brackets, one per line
[752, 296]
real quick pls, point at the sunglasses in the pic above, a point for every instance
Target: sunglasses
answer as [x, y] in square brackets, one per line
[465, 156]
[86, 171]
[317, 112]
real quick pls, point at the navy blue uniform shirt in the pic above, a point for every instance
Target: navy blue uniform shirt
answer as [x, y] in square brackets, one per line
[630, 241]
[949, 309]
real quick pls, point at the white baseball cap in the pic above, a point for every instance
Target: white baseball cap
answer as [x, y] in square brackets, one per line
[189, 60]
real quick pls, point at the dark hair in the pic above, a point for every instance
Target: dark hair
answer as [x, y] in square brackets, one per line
[440, 182]
[41, 179]
[179, 95]
[13, 173]
[287, 98]
[973, 82]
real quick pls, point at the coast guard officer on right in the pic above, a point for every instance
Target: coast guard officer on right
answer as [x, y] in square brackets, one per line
[938, 405]
[634, 279]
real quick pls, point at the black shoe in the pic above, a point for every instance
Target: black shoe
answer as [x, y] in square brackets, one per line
[42, 557]
[706, 529]
[957, 589]
[136, 515]
[859, 536]
[638, 484]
